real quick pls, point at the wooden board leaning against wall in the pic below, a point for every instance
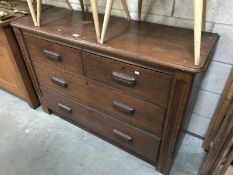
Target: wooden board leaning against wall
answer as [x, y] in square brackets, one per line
[220, 157]
[220, 113]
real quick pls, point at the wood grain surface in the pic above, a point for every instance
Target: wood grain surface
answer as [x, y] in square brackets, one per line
[138, 84]
[142, 41]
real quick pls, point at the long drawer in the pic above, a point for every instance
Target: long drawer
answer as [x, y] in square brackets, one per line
[150, 85]
[133, 139]
[122, 106]
[54, 54]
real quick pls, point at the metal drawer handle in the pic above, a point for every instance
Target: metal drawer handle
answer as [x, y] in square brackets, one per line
[64, 108]
[123, 107]
[51, 54]
[59, 82]
[125, 79]
[122, 136]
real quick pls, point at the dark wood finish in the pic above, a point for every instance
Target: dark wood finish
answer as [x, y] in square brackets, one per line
[29, 65]
[147, 43]
[146, 115]
[133, 139]
[220, 113]
[149, 105]
[55, 54]
[150, 85]
[220, 156]
[182, 85]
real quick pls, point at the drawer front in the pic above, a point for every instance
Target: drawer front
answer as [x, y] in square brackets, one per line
[127, 108]
[150, 85]
[132, 139]
[55, 54]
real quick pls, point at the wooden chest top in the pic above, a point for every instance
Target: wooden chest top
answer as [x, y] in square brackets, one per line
[147, 43]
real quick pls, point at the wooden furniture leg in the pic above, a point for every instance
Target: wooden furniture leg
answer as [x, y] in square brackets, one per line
[125, 6]
[82, 5]
[38, 12]
[106, 19]
[68, 4]
[96, 18]
[198, 10]
[139, 9]
[204, 16]
[32, 11]
[108, 14]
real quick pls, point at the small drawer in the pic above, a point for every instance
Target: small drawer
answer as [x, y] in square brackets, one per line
[150, 85]
[113, 130]
[132, 110]
[54, 54]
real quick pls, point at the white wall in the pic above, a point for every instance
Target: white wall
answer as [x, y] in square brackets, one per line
[180, 13]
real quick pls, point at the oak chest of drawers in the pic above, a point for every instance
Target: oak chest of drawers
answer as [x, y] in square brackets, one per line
[135, 91]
